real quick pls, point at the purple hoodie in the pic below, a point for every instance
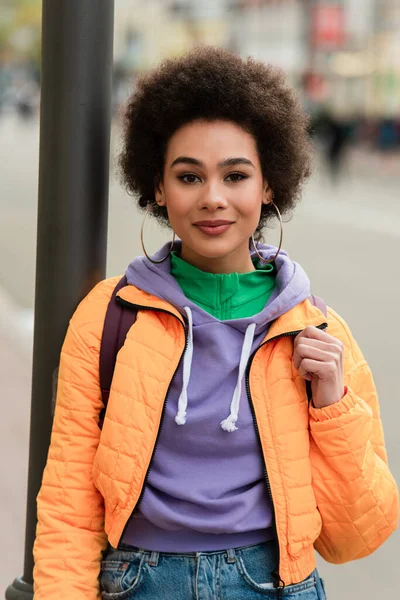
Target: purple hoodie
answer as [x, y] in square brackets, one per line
[206, 488]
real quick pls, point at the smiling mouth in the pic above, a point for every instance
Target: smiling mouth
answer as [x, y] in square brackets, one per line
[213, 227]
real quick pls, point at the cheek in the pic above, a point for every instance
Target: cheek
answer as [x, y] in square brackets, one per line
[250, 217]
[178, 207]
[250, 206]
[177, 198]
[249, 196]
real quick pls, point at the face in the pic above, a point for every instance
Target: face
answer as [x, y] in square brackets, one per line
[213, 189]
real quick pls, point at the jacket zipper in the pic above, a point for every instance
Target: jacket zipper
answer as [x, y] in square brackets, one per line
[279, 584]
[131, 306]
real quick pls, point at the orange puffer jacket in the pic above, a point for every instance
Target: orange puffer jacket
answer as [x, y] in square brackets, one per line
[328, 472]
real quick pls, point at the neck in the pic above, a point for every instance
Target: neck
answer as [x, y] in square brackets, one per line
[238, 261]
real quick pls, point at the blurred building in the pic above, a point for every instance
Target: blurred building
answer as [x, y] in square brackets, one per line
[385, 89]
[355, 50]
[267, 29]
[344, 55]
[165, 28]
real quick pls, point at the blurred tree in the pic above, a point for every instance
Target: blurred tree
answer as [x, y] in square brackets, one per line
[20, 24]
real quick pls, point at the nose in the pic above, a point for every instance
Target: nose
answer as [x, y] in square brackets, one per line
[212, 197]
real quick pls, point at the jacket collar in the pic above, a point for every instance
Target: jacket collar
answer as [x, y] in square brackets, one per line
[138, 297]
[295, 319]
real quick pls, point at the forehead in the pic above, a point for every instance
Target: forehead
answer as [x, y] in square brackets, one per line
[211, 141]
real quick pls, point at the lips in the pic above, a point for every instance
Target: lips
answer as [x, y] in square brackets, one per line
[212, 223]
[213, 227]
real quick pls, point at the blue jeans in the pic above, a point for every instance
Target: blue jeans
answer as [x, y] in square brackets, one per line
[236, 574]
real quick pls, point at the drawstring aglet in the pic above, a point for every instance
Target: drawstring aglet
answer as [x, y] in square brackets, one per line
[180, 419]
[229, 424]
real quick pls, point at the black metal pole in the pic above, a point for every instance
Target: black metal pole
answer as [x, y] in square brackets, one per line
[75, 115]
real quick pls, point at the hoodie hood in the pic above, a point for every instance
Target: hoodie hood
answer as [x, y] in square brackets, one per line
[292, 286]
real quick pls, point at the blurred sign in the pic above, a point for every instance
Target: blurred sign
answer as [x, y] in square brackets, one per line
[218, 8]
[259, 3]
[198, 11]
[328, 26]
[315, 85]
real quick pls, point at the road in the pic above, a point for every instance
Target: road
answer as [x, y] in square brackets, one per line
[347, 238]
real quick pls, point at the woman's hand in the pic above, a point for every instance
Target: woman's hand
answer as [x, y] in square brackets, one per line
[318, 357]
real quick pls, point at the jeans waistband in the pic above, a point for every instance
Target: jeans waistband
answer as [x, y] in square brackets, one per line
[152, 556]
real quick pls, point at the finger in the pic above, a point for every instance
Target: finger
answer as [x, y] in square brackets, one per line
[323, 370]
[309, 351]
[333, 349]
[314, 333]
[303, 371]
[305, 374]
[306, 350]
[327, 346]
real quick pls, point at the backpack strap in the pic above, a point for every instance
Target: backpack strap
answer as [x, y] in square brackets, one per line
[319, 303]
[117, 323]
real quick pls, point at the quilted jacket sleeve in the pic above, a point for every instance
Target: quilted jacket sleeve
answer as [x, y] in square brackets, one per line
[356, 494]
[70, 536]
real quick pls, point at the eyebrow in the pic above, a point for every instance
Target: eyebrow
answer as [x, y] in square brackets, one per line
[228, 162]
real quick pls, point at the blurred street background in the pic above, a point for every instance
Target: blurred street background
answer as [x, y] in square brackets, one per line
[344, 59]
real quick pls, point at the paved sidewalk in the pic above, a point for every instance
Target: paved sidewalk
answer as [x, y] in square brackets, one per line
[15, 377]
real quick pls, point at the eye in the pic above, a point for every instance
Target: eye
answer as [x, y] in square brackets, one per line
[189, 178]
[236, 177]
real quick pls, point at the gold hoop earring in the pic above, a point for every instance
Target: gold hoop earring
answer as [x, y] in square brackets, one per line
[156, 262]
[270, 260]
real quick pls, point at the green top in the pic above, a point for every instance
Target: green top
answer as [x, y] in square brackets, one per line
[228, 295]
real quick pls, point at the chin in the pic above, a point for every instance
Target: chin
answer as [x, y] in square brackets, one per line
[212, 250]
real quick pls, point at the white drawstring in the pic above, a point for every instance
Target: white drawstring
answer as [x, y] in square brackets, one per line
[228, 424]
[180, 418]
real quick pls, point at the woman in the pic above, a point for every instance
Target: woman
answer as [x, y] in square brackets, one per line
[216, 472]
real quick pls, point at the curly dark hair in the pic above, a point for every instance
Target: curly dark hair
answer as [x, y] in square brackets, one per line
[213, 84]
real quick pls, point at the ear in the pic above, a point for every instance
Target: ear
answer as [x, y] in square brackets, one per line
[268, 194]
[159, 192]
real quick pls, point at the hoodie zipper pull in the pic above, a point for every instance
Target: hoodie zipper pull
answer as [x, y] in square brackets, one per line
[279, 585]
